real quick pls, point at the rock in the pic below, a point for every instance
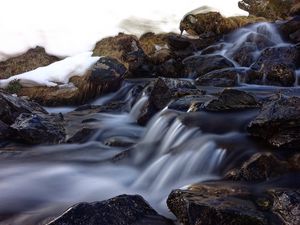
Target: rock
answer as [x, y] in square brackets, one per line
[260, 167]
[215, 204]
[190, 103]
[290, 29]
[213, 24]
[151, 42]
[278, 122]
[197, 66]
[28, 61]
[127, 50]
[82, 136]
[12, 107]
[121, 210]
[228, 203]
[171, 68]
[286, 205]
[167, 89]
[276, 66]
[39, 129]
[228, 77]
[271, 9]
[295, 10]
[104, 77]
[231, 99]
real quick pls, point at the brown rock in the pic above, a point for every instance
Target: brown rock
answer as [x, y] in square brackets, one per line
[28, 61]
[213, 24]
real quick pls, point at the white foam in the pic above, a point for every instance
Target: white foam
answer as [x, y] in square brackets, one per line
[66, 28]
[56, 73]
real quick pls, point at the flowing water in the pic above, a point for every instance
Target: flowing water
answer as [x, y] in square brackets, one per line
[174, 150]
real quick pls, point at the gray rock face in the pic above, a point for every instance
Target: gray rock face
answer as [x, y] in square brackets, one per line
[278, 122]
[121, 210]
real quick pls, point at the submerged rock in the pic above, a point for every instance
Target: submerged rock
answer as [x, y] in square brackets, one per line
[278, 122]
[28, 61]
[104, 77]
[197, 66]
[214, 24]
[38, 129]
[231, 99]
[121, 210]
[260, 167]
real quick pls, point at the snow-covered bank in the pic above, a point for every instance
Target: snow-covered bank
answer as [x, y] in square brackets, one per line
[56, 73]
[66, 28]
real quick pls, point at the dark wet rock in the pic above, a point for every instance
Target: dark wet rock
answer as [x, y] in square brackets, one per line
[127, 50]
[290, 29]
[28, 61]
[191, 103]
[215, 204]
[286, 205]
[201, 23]
[167, 89]
[294, 162]
[104, 77]
[119, 142]
[260, 167]
[197, 66]
[278, 122]
[4, 130]
[228, 77]
[171, 68]
[272, 9]
[232, 203]
[231, 99]
[295, 10]
[151, 42]
[39, 129]
[276, 66]
[121, 210]
[12, 107]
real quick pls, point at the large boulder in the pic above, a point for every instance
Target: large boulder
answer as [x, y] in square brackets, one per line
[276, 66]
[197, 66]
[271, 9]
[228, 203]
[215, 204]
[214, 24]
[278, 122]
[121, 210]
[104, 77]
[28, 61]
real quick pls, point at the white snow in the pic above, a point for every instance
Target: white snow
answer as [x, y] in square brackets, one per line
[56, 73]
[66, 27]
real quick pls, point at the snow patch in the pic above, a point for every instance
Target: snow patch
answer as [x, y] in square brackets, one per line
[66, 28]
[56, 73]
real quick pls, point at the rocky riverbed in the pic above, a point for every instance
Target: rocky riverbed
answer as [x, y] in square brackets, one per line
[199, 128]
